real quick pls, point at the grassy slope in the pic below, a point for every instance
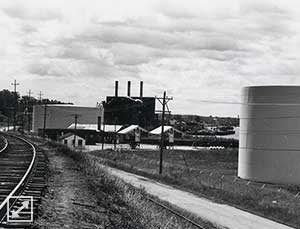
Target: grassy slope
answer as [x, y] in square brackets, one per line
[134, 210]
[210, 173]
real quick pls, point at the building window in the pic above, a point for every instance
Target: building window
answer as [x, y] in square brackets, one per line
[79, 142]
[66, 142]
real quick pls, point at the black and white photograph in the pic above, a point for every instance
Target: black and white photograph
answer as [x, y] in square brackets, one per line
[159, 114]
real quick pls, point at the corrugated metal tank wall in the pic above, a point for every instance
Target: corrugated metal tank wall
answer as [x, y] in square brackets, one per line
[269, 148]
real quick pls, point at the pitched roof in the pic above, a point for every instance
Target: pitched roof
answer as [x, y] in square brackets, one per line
[111, 128]
[131, 128]
[105, 128]
[157, 131]
[84, 126]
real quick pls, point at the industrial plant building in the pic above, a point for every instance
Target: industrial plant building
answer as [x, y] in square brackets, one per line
[269, 149]
[127, 110]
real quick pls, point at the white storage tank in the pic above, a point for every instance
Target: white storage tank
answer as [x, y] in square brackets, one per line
[269, 149]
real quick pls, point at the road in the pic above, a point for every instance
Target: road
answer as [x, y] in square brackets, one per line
[220, 214]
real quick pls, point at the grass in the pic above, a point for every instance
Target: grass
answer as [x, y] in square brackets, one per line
[128, 206]
[211, 174]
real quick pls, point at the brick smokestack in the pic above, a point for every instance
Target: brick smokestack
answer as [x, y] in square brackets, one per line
[116, 88]
[128, 88]
[141, 89]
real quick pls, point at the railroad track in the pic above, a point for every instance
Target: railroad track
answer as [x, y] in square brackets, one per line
[22, 181]
[176, 213]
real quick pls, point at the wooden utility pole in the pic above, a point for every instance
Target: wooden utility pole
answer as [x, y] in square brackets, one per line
[28, 109]
[164, 101]
[40, 96]
[75, 128]
[162, 135]
[15, 84]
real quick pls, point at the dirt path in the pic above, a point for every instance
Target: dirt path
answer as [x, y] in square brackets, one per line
[69, 202]
[220, 214]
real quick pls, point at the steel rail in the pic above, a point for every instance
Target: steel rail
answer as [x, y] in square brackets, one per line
[6, 144]
[176, 213]
[18, 186]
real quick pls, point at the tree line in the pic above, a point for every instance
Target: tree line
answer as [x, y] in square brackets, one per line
[11, 103]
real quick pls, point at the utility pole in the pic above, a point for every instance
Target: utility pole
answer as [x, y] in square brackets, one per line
[75, 128]
[29, 93]
[115, 135]
[164, 102]
[15, 84]
[40, 96]
[28, 109]
[45, 117]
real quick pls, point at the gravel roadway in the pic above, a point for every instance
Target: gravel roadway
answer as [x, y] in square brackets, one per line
[220, 214]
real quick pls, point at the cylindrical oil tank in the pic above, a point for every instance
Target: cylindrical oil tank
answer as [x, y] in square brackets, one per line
[269, 148]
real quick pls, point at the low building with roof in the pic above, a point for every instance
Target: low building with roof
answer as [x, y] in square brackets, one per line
[132, 133]
[170, 133]
[70, 138]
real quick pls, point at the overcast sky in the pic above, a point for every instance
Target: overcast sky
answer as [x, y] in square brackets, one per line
[195, 50]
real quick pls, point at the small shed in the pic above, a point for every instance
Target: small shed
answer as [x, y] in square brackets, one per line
[68, 139]
[169, 131]
[132, 133]
[89, 132]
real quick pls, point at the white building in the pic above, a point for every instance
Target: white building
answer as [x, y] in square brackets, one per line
[132, 132]
[68, 139]
[169, 131]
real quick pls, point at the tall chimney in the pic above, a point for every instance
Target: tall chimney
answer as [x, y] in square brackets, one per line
[128, 88]
[116, 88]
[141, 89]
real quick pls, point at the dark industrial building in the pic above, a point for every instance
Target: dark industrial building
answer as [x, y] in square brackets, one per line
[127, 110]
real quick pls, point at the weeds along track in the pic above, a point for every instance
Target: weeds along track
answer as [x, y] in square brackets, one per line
[176, 213]
[22, 173]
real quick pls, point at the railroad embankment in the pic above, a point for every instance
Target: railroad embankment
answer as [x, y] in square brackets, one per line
[82, 195]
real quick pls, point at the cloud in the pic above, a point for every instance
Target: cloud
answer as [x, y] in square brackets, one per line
[199, 49]
[26, 12]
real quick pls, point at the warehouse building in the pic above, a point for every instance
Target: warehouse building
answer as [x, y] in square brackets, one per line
[62, 116]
